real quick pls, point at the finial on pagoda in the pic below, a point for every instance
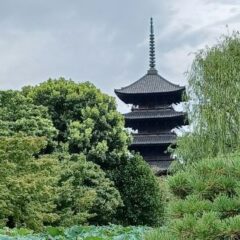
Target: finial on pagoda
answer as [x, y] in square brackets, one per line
[152, 69]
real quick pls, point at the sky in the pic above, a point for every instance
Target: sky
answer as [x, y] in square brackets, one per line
[106, 41]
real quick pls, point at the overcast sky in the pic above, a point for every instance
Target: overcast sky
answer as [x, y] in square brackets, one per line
[106, 41]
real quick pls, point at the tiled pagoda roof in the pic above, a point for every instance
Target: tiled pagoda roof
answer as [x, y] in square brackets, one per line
[152, 139]
[156, 113]
[152, 82]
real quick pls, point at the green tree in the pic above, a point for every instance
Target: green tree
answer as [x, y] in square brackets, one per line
[86, 119]
[205, 201]
[85, 193]
[28, 184]
[214, 96]
[141, 193]
[89, 124]
[18, 115]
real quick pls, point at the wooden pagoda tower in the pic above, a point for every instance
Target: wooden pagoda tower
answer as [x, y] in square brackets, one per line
[152, 114]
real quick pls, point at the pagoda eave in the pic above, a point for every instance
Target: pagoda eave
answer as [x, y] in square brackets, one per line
[153, 140]
[132, 116]
[133, 98]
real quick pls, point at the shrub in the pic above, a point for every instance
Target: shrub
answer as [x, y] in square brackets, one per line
[86, 194]
[141, 193]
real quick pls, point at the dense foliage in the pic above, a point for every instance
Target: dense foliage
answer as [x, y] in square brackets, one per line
[18, 114]
[85, 136]
[88, 123]
[86, 195]
[86, 119]
[136, 181]
[27, 183]
[206, 201]
[112, 232]
[213, 107]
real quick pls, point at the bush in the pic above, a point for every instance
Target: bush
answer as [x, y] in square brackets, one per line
[141, 193]
[86, 194]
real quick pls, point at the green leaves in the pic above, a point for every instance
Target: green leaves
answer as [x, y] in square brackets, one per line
[141, 193]
[18, 115]
[85, 193]
[111, 232]
[76, 126]
[213, 107]
[205, 202]
[28, 185]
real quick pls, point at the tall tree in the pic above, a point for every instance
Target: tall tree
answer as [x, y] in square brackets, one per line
[214, 96]
[87, 119]
[82, 182]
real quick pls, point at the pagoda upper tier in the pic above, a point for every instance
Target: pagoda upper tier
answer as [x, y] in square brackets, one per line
[152, 116]
[151, 88]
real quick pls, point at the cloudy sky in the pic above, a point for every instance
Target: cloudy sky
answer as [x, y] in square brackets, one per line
[106, 41]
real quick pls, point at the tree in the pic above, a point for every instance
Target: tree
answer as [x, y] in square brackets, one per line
[28, 184]
[89, 125]
[87, 201]
[141, 193]
[18, 115]
[86, 119]
[214, 96]
[205, 201]
[85, 193]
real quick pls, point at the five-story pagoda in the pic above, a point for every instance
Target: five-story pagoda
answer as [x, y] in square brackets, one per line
[152, 115]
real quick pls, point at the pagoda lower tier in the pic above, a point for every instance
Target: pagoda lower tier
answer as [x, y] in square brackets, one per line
[155, 120]
[153, 148]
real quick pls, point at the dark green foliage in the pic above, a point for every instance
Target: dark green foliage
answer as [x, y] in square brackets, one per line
[28, 185]
[140, 190]
[85, 193]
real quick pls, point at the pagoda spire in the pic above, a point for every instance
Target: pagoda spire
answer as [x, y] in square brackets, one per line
[151, 48]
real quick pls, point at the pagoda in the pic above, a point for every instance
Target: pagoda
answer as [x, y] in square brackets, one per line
[152, 116]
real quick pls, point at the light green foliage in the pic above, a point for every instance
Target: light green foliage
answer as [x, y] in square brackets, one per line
[86, 193]
[112, 232]
[206, 200]
[18, 115]
[214, 96]
[27, 183]
[143, 200]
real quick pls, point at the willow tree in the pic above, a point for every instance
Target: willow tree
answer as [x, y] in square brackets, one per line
[213, 101]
